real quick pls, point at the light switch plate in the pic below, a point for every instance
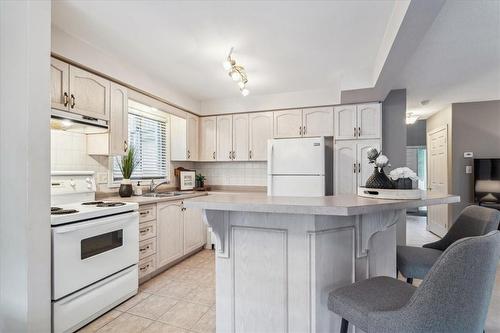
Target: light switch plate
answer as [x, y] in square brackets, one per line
[102, 178]
[468, 169]
[468, 154]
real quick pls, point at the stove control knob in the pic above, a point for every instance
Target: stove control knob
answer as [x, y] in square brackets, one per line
[72, 183]
[88, 180]
[89, 186]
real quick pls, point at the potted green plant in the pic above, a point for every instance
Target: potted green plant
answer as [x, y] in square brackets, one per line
[200, 180]
[127, 165]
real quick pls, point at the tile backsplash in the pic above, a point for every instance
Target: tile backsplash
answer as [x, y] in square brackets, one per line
[233, 173]
[68, 152]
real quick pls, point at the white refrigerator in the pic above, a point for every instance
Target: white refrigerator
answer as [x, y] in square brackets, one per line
[300, 167]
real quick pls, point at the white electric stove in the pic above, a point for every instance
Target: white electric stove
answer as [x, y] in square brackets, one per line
[94, 251]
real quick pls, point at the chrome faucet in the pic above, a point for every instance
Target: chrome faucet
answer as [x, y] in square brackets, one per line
[153, 187]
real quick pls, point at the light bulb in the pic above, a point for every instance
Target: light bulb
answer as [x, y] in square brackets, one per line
[227, 65]
[241, 84]
[235, 76]
[245, 91]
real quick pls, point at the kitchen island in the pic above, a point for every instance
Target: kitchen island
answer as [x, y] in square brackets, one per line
[278, 257]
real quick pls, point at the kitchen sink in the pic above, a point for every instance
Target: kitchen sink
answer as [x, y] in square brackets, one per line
[164, 194]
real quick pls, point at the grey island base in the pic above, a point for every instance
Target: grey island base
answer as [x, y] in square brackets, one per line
[278, 257]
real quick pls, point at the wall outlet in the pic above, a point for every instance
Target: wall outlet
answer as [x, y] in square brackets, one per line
[468, 169]
[102, 178]
[468, 154]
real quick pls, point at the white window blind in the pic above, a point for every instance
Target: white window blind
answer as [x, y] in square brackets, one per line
[149, 138]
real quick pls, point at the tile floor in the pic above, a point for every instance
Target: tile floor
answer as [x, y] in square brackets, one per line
[182, 299]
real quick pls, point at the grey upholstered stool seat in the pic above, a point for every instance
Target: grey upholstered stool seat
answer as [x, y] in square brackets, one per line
[415, 262]
[453, 297]
[358, 300]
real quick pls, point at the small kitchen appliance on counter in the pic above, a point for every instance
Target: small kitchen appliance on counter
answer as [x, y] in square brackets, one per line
[94, 251]
[301, 167]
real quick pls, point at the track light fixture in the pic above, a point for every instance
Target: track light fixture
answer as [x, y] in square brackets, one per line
[236, 72]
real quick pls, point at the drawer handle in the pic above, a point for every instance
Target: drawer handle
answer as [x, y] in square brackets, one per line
[144, 268]
[73, 103]
[66, 99]
[144, 249]
[144, 213]
[145, 231]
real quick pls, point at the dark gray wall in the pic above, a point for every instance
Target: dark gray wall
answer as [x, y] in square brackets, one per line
[416, 133]
[476, 128]
[394, 128]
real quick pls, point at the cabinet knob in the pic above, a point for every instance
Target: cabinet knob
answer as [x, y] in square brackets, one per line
[250, 155]
[359, 131]
[230, 155]
[125, 146]
[354, 168]
[213, 155]
[355, 132]
[359, 167]
[188, 154]
[304, 131]
[300, 130]
[234, 155]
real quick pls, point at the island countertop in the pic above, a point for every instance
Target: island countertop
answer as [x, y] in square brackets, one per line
[340, 205]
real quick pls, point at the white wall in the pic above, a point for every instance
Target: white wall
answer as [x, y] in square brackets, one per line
[289, 100]
[77, 50]
[24, 166]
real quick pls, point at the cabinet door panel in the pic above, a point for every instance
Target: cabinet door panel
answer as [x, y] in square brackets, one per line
[178, 138]
[345, 167]
[194, 230]
[369, 121]
[59, 84]
[287, 124]
[365, 170]
[224, 138]
[208, 138]
[317, 122]
[260, 130]
[118, 121]
[192, 137]
[345, 122]
[170, 232]
[240, 137]
[89, 94]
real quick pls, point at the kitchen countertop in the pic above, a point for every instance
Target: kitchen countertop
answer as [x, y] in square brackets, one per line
[152, 200]
[342, 205]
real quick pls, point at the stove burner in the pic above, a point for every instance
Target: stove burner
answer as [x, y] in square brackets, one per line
[92, 203]
[61, 211]
[110, 204]
[55, 209]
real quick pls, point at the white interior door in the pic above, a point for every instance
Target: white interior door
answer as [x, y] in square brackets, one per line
[224, 138]
[208, 126]
[437, 147]
[365, 170]
[345, 122]
[240, 137]
[317, 122]
[288, 124]
[345, 167]
[369, 118]
[260, 131]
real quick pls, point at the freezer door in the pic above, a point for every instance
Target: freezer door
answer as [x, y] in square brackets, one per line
[296, 186]
[304, 156]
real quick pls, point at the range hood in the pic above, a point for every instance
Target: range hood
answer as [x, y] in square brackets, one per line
[72, 122]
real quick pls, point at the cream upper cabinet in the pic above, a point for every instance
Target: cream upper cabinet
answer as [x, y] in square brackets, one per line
[59, 88]
[224, 149]
[89, 94]
[365, 170]
[178, 138]
[208, 138]
[170, 232]
[194, 229]
[345, 122]
[118, 121]
[345, 167]
[369, 119]
[287, 123]
[317, 122]
[260, 129]
[192, 137]
[240, 137]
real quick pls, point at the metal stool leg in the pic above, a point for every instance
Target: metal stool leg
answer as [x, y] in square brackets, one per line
[344, 326]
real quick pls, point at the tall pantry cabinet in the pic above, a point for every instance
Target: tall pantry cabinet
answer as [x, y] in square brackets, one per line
[357, 128]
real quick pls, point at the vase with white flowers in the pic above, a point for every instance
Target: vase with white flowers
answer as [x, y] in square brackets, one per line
[127, 165]
[378, 179]
[403, 178]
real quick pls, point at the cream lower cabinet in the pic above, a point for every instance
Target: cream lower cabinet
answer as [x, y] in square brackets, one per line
[260, 129]
[180, 231]
[351, 168]
[208, 138]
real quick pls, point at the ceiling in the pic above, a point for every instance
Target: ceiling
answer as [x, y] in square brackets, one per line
[285, 46]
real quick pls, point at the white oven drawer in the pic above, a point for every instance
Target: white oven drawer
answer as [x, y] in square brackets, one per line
[86, 252]
[76, 310]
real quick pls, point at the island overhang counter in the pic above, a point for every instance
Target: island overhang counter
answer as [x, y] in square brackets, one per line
[278, 257]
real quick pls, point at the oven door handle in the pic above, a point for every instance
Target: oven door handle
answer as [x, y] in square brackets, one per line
[120, 219]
